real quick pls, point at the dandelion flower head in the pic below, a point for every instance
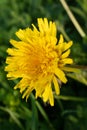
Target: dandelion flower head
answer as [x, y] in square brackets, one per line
[39, 59]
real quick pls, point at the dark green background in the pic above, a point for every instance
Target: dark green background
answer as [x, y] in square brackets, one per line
[70, 109]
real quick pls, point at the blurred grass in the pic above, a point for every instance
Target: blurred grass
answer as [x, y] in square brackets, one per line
[69, 111]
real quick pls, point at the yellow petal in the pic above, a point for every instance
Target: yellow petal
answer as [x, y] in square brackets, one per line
[35, 29]
[51, 98]
[13, 52]
[14, 43]
[39, 90]
[61, 40]
[60, 74]
[48, 95]
[46, 24]
[27, 92]
[56, 85]
[52, 27]
[41, 24]
[68, 45]
[21, 84]
[66, 54]
[67, 61]
[21, 34]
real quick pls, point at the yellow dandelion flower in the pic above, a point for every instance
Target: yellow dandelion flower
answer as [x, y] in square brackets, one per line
[39, 59]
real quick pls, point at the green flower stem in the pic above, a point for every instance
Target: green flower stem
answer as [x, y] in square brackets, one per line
[70, 98]
[72, 18]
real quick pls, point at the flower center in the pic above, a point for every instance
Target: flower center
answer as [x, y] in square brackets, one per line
[41, 61]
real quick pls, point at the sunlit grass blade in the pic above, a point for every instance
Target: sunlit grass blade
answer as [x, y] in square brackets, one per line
[13, 115]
